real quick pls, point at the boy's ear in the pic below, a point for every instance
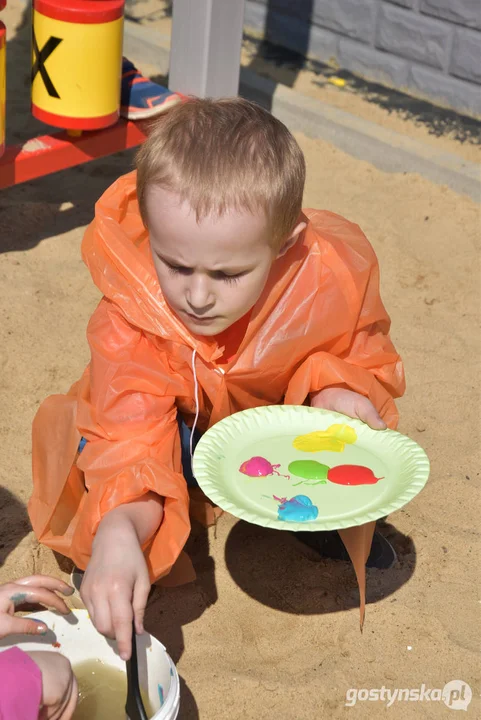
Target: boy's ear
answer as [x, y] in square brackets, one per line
[292, 239]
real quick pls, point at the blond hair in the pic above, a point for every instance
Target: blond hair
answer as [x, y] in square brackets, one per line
[225, 154]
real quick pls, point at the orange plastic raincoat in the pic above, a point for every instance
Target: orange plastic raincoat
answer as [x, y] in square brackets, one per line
[319, 322]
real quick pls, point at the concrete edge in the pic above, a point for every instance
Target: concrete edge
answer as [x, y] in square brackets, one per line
[386, 149]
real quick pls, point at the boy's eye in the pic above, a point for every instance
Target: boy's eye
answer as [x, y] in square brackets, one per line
[227, 278]
[178, 269]
[218, 275]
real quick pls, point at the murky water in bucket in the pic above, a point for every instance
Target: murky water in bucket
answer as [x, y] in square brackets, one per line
[102, 692]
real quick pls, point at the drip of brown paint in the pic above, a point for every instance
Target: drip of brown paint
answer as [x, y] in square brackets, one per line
[358, 541]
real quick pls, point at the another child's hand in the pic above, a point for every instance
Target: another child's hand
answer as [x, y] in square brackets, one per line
[34, 589]
[59, 685]
[349, 403]
[116, 584]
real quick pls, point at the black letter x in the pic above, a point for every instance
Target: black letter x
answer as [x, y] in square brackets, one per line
[40, 58]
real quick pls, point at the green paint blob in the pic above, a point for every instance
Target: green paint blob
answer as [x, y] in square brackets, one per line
[309, 469]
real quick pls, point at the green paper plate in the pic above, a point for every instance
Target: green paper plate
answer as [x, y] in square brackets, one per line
[254, 465]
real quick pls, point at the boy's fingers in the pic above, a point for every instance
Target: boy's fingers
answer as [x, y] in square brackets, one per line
[122, 616]
[375, 421]
[47, 582]
[100, 615]
[379, 424]
[368, 414]
[139, 621]
[141, 594]
[351, 404]
[91, 611]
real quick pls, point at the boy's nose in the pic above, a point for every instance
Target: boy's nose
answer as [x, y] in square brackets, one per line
[199, 297]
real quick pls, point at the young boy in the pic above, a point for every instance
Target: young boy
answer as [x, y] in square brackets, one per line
[220, 294]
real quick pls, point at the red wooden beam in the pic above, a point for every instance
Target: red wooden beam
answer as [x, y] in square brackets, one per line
[50, 153]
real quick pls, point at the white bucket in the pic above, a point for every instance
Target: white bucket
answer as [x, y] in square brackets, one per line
[79, 641]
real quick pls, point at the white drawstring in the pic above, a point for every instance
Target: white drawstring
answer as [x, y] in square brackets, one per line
[197, 409]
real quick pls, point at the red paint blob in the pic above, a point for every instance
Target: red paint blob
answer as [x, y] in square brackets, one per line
[56, 645]
[352, 475]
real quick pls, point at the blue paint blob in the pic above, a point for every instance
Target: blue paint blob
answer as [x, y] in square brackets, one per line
[297, 509]
[160, 690]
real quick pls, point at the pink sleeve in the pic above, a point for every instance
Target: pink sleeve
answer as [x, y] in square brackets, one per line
[20, 686]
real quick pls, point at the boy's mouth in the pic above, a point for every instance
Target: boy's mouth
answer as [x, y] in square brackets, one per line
[201, 320]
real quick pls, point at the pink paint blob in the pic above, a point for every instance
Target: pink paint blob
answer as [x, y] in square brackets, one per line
[260, 467]
[352, 475]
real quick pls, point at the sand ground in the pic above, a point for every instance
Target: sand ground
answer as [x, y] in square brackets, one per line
[268, 631]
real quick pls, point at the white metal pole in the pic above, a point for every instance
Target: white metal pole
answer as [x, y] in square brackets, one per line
[205, 47]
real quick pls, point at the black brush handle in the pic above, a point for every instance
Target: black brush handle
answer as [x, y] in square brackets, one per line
[134, 707]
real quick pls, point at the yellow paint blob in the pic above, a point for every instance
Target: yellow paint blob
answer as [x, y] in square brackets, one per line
[343, 432]
[333, 439]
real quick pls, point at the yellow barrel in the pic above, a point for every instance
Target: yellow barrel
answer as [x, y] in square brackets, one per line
[77, 62]
[3, 83]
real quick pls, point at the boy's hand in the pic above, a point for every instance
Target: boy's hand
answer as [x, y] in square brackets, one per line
[116, 584]
[34, 589]
[59, 685]
[349, 403]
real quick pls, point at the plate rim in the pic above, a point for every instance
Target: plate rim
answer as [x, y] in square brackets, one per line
[201, 473]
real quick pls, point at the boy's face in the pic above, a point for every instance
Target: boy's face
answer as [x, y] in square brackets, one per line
[213, 272]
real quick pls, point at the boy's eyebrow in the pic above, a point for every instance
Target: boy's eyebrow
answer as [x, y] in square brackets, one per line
[170, 261]
[175, 263]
